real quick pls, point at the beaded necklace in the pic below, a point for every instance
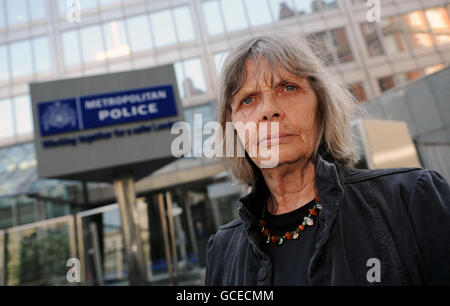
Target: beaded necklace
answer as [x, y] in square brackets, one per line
[294, 234]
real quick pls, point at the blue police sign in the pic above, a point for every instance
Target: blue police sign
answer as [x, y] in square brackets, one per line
[85, 112]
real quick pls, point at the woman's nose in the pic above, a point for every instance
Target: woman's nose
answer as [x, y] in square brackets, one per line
[269, 107]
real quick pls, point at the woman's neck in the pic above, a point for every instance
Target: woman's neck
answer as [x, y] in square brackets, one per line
[290, 185]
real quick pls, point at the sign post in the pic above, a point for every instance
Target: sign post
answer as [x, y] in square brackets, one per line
[126, 196]
[113, 128]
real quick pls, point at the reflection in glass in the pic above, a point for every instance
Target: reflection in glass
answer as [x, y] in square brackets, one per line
[340, 41]
[213, 18]
[194, 82]
[190, 78]
[391, 81]
[183, 22]
[394, 40]
[21, 59]
[4, 73]
[16, 11]
[91, 44]
[357, 90]
[163, 29]
[233, 12]
[6, 119]
[179, 73]
[71, 51]
[41, 54]
[416, 26]
[139, 33]
[282, 9]
[386, 83]
[258, 12]
[324, 47]
[438, 20]
[373, 43]
[22, 108]
[115, 40]
[33, 252]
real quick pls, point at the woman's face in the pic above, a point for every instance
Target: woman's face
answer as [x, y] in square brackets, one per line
[289, 100]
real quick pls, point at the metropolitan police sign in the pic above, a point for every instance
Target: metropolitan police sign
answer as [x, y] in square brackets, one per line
[105, 122]
[80, 113]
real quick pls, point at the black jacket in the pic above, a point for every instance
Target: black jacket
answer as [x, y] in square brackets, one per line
[399, 216]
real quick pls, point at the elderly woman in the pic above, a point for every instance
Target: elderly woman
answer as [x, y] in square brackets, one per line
[312, 219]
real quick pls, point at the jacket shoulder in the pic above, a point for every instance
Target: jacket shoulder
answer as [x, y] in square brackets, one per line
[353, 175]
[231, 224]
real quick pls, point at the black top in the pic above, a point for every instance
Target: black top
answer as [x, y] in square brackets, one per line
[290, 260]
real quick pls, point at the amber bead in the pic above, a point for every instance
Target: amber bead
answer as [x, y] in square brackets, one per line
[301, 227]
[288, 235]
[266, 232]
[274, 239]
[313, 212]
[317, 199]
[262, 223]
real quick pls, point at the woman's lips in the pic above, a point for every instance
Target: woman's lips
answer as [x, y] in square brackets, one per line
[275, 139]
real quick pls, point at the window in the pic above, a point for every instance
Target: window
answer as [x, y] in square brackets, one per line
[91, 44]
[213, 17]
[373, 43]
[196, 131]
[2, 14]
[416, 26]
[324, 47]
[23, 115]
[394, 40]
[6, 119]
[21, 59]
[109, 2]
[37, 9]
[71, 50]
[258, 12]
[139, 33]
[391, 81]
[163, 28]
[357, 90]
[386, 83]
[16, 11]
[439, 23]
[183, 22]
[41, 54]
[115, 40]
[432, 69]
[340, 41]
[234, 15]
[219, 59]
[25, 209]
[282, 9]
[304, 7]
[4, 73]
[190, 78]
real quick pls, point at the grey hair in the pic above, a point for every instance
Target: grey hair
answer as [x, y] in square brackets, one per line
[294, 53]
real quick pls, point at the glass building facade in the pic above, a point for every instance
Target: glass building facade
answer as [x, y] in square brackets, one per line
[42, 40]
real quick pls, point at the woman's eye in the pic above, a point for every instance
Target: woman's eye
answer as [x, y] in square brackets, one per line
[247, 100]
[290, 87]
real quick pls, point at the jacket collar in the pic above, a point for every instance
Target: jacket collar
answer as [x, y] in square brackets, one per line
[329, 182]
